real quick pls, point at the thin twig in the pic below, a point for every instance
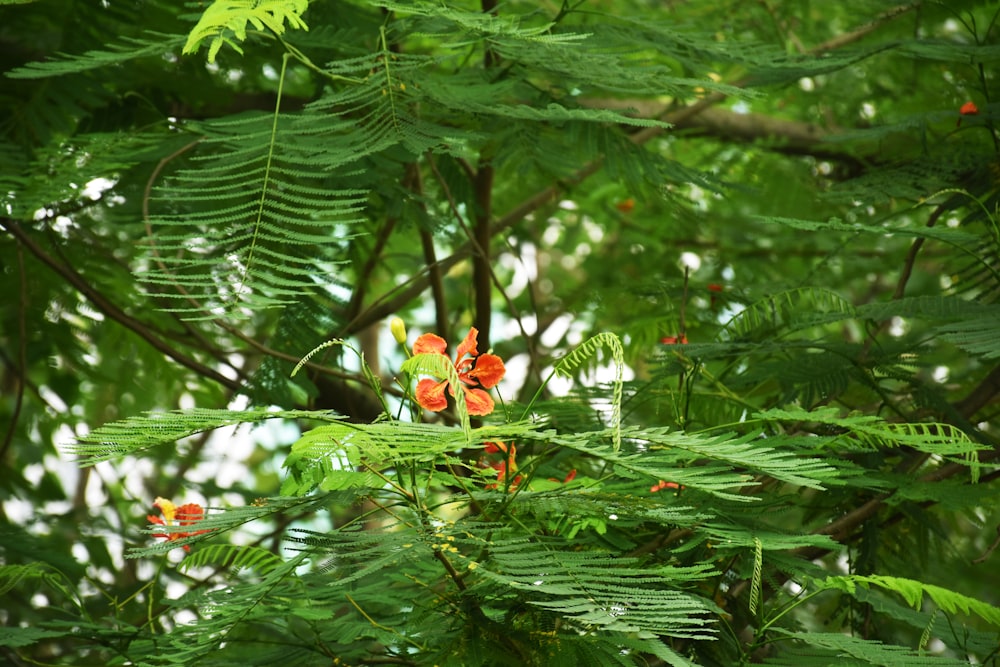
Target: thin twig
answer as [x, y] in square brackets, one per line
[358, 296]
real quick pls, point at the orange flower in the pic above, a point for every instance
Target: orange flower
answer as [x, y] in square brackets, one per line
[504, 467]
[674, 340]
[496, 447]
[501, 468]
[967, 109]
[477, 372]
[664, 485]
[185, 515]
[626, 206]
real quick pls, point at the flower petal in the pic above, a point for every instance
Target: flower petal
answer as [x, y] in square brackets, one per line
[489, 370]
[477, 401]
[468, 346]
[189, 514]
[430, 394]
[969, 109]
[166, 507]
[431, 343]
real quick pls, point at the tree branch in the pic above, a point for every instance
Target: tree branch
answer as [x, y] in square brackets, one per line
[978, 398]
[22, 352]
[482, 235]
[110, 310]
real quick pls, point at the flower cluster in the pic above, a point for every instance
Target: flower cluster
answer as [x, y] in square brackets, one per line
[185, 515]
[476, 372]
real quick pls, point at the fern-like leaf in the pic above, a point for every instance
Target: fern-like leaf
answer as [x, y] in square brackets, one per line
[233, 557]
[913, 593]
[848, 650]
[791, 310]
[587, 350]
[136, 434]
[661, 454]
[976, 336]
[154, 46]
[225, 20]
[596, 591]
[934, 438]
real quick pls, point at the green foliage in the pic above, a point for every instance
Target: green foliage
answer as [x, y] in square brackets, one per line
[913, 593]
[224, 20]
[116, 54]
[740, 260]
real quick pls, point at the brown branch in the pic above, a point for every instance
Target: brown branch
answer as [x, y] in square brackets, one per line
[358, 295]
[778, 135]
[863, 31]
[978, 398]
[482, 189]
[989, 550]
[515, 313]
[110, 310]
[911, 256]
[436, 279]
[904, 278]
[22, 352]
[481, 235]
[148, 190]
[434, 272]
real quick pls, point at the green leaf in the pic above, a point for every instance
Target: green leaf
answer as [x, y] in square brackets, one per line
[913, 592]
[225, 20]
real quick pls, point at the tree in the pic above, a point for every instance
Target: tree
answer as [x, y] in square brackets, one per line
[701, 368]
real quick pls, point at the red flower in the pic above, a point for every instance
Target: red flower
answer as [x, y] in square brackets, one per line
[967, 109]
[185, 515]
[714, 288]
[570, 476]
[659, 486]
[477, 372]
[626, 206]
[507, 466]
[495, 447]
[502, 472]
[674, 340]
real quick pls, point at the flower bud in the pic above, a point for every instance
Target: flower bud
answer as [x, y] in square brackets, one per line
[398, 329]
